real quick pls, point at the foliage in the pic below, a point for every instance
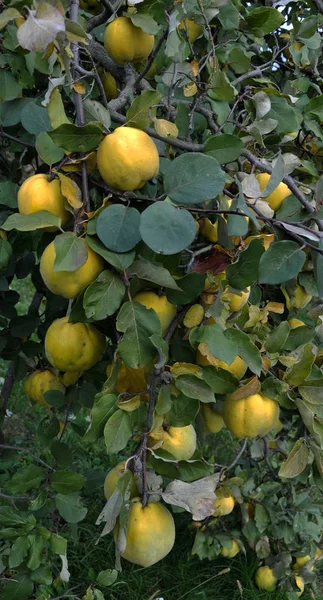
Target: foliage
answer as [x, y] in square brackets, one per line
[184, 270]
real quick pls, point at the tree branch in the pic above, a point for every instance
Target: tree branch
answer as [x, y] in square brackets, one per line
[290, 182]
[79, 108]
[319, 5]
[183, 145]
[15, 139]
[20, 449]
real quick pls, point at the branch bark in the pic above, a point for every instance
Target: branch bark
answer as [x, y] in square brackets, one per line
[79, 108]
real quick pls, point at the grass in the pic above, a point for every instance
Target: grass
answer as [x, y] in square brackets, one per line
[180, 576]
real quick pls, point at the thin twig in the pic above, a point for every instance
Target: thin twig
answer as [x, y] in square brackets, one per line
[152, 57]
[236, 458]
[20, 449]
[15, 139]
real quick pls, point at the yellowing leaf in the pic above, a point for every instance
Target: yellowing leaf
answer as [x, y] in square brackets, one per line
[190, 89]
[194, 316]
[183, 368]
[275, 307]
[71, 191]
[56, 110]
[195, 67]
[130, 404]
[166, 128]
[8, 15]
[79, 88]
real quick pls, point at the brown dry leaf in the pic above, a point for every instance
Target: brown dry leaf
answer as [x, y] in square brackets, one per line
[190, 89]
[71, 191]
[165, 128]
[252, 387]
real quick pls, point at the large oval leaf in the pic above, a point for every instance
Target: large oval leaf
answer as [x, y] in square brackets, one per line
[193, 178]
[118, 227]
[166, 229]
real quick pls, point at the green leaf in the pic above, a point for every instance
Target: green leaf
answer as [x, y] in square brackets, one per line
[47, 150]
[70, 507]
[8, 194]
[117, 431]
[302, 367]
[217, 342]
[312, 390]
[37, 220]
[58, 544]
[107, 578]
[192, 285]
[55, 398]
[118, 227]
[95, 111]
[225, 148]
[138, 324]
[18, 551]
[145, 22]
[104, 406]
[11, 518]
[19, 588]
[9, 87]
[239, 60]
[318, 269]
[41, 28]
[245, 349]
[183, 411]
[166, 229]
[66, 482]
[149, 271]
[283, 113]
[25, 479]
[296, 462]
[162, 348]
[76, 138]
[5, 253]
[141, 113]
[36, 551]
[182, 469]
[121, 262]
[262, 518]
[104, 296]
[196, 388]
[297, 337]
[221, 90]
[264, 20]
[281, 262]
[62, 453]
[193, 178]
[71, 252]
[274, 388]
[34, 118]
[220, 380]
[276, 339]
[42, 575]
[229, 16]
[244, 271]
